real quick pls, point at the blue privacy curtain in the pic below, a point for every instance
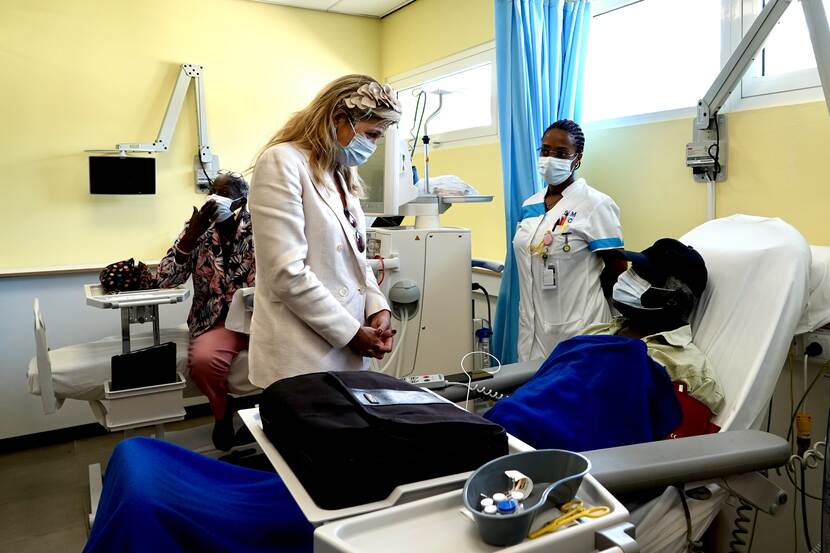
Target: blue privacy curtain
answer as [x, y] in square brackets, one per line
[540, 62]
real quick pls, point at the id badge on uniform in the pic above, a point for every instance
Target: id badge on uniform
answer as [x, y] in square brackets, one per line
[550, 274]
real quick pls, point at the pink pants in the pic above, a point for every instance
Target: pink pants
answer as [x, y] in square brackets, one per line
[209, 357]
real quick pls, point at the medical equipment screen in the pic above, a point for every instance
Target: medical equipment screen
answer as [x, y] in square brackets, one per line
[373, 175]
[122, 175]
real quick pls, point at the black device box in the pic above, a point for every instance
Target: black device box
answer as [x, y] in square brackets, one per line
[144, 367]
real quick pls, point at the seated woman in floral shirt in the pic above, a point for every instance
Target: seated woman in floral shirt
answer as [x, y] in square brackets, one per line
[215, 248]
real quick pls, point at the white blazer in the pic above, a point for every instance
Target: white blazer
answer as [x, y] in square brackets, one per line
[314, 289]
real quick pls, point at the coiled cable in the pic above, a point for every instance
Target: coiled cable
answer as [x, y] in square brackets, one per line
[741, 528]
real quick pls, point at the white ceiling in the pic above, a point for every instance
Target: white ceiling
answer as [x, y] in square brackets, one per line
[367, 8]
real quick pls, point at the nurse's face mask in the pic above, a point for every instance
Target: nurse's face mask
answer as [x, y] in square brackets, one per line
[555, 171]
[555, 164]
[357, 151]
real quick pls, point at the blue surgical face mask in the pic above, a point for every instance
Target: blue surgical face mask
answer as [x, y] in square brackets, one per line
[357, 151]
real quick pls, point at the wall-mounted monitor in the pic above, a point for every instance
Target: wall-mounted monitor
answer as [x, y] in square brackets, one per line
[122, 175]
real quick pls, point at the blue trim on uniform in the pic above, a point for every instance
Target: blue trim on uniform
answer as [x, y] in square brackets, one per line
[533, 210]
[605, 243]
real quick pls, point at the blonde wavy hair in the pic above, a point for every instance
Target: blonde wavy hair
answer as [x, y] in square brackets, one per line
[361, 98]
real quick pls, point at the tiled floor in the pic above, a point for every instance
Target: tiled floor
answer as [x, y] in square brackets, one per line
[44, 493]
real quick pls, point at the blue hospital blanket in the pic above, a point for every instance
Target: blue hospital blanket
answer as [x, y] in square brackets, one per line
[592, 392]
[160, 497]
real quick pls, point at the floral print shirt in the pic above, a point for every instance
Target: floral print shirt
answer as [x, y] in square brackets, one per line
[216, 274]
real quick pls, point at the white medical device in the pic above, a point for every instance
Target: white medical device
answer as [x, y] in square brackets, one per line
[387, 176]
[391, 190]
[435, 331]
[206, 163]
[706, 154]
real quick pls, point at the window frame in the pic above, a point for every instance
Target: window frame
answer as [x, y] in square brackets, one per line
[754, 92]
[466, 59]
[755, 85]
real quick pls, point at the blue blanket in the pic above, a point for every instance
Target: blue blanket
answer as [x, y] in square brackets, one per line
[160, 497]
[592, 392]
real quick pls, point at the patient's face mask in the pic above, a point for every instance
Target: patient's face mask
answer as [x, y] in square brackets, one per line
[223, 207]
[553, 170]
[634, 291]
[357, 151]
[629, 289]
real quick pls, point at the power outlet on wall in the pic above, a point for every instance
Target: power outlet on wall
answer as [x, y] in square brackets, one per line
[821, 337]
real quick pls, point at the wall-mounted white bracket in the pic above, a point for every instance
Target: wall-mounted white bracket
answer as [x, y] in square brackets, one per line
[706, 145]
[206, 164]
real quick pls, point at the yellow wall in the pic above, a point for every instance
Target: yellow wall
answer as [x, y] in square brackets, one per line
[778, 162]
[90, 73]
[428, 30]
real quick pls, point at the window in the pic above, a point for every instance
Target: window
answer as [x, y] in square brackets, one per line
[650, 56]
[469, 108]
[786, 62]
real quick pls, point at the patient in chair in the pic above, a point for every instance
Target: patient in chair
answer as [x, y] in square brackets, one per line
[638, 378]
[216, 248]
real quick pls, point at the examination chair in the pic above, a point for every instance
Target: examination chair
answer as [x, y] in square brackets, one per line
[756, 300]
[80, 371]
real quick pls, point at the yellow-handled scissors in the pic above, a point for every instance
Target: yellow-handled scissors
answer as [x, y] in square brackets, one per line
[572, 511]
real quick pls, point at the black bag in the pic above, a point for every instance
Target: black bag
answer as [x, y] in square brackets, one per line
[352, 437]
[125, 276]
[144, 367]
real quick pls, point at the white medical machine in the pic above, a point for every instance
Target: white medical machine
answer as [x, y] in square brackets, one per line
[424, 270]
[206, 164]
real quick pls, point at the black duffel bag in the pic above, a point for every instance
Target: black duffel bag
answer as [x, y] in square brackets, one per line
[352, 437]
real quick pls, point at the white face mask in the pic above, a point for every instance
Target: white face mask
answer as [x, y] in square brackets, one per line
[223, 207]
[629, 289]
[554, 171]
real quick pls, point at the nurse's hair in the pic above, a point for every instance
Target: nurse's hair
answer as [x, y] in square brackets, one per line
[360, 98]
[573, 129]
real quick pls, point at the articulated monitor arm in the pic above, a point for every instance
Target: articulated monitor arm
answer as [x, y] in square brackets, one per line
[171, 116]
[206, 163]
[709, 130]
[742, 57]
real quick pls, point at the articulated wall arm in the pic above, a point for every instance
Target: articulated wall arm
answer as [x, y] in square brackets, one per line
[206, 164]
[706, 154]
[742, 57]
[171, 116]
[740, 60]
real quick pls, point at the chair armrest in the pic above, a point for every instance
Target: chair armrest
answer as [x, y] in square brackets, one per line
[664, 463]
[507, 379]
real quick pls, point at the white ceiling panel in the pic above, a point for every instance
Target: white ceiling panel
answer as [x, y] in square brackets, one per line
[373, 8]
[368, 8]
[322, 5]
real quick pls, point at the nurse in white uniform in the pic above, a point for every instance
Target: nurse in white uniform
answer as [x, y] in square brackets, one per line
[563, 247]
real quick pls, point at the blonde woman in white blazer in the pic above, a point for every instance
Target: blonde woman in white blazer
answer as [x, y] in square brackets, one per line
[317, 303]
